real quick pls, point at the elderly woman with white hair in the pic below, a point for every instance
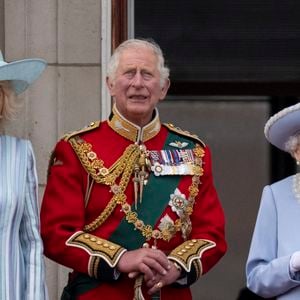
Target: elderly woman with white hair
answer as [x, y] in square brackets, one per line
[273, 266]
[21, 250]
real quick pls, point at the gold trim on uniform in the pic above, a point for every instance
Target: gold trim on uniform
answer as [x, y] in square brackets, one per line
[131, 131]
[97, 247]
[184, 133]
[198, 268]
[190, 252]
[94, 266]
[123, 168]
[66, 137]
[95, 166]
[91, 126]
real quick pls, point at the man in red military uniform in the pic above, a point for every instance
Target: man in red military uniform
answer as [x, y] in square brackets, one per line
[130, 203]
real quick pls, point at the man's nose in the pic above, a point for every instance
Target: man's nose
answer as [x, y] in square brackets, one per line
[138, 80]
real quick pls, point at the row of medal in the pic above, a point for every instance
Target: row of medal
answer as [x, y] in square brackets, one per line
[172, 162]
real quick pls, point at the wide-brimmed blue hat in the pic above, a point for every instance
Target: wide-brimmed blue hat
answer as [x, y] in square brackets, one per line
[283, 125]
[21, 73]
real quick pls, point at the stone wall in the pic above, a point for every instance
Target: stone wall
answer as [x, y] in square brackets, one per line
[68, 94]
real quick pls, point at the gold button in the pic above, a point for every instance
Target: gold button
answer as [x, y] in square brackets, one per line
[86, 236]
[93, 239]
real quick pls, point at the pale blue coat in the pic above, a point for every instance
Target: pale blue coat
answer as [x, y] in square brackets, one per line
[276, 237]
[21, 250]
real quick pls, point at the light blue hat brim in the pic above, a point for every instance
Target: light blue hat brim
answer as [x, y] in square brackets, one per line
[22, 73]
[283, 125]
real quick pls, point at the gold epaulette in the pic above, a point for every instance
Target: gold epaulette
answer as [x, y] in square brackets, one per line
[90, 127]
[185, 133]
[189, 253]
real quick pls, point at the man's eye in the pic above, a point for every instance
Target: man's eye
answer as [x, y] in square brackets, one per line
[129, 74]
[147, 75]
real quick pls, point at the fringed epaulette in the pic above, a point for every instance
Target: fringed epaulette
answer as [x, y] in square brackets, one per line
[184, 133]
[90, 127]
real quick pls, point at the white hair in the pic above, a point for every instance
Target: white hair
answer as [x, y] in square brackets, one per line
[292, 144]
[138, 43]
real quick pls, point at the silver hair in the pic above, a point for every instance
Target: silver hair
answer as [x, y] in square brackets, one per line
[138, 43]
[292, 144]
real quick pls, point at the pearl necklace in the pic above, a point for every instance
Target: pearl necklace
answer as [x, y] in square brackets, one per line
[296, 186]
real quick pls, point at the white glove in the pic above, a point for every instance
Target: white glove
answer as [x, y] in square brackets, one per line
[295, 262]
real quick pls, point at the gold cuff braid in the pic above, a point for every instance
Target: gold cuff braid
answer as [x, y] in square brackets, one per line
[96, 246]
[190, 251]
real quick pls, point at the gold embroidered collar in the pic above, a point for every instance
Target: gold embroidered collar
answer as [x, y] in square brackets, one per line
[131, 131]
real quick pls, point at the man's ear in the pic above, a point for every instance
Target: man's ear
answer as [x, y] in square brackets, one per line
[110, 85]
[164, 89]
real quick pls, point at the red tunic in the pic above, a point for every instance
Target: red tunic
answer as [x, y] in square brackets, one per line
[64, 214]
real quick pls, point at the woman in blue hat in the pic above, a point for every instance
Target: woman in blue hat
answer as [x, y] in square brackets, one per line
[273, 266]
[21, 251]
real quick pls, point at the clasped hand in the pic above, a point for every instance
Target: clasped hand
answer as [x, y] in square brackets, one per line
[158, 271]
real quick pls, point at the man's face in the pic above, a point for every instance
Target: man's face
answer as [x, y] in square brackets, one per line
[136, 87]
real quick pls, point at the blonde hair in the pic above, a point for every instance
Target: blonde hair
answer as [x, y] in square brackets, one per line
[8, 101]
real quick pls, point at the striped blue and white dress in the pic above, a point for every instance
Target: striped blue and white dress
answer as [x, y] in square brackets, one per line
[21, 251]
